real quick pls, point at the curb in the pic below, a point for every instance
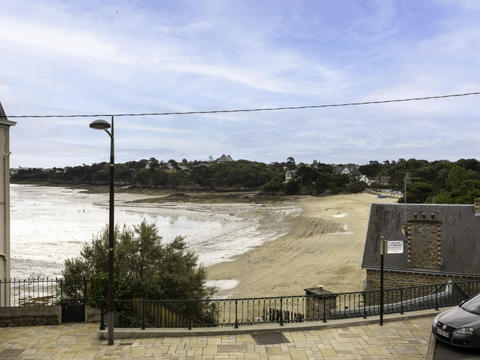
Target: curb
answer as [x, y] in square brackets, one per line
[431, 347]
[129, 333]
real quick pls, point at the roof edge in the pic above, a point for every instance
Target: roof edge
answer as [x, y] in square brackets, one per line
[4, 119]
[366, 235]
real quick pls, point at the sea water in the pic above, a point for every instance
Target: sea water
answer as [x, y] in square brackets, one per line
[52, 224]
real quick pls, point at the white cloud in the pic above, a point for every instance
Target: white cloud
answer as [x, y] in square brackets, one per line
[91, 57]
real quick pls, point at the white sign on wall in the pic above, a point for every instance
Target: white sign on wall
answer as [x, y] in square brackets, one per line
[394, 247]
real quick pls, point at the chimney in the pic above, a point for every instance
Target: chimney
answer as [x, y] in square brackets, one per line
[476, 203]
[424, 242]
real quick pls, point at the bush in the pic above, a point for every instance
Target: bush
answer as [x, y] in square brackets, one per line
[144, 267]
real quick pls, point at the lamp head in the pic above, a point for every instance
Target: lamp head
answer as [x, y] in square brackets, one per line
[100, 125]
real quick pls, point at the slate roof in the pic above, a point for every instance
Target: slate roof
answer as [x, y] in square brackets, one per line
[460, 237]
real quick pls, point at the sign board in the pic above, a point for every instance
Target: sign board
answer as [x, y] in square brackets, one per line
[394, 247]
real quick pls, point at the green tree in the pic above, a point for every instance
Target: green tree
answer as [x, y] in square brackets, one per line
[418, 192]
[291, 163]
[292, 188]
[273, 186]
[144, 267]
[456, 176]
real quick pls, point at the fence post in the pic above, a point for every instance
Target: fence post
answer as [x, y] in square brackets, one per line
[436, 297]
[61, 290]
[236, 313]
[401, 301]
[281, 312]
[102, 319]
[364, 305]
[324, 308]
[143, 314]
[85, 290]
[189, 323]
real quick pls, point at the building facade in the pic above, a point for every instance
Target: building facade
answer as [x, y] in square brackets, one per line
[441, 243]
[5, 125]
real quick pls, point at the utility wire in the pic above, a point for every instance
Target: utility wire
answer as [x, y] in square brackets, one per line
[250, 110]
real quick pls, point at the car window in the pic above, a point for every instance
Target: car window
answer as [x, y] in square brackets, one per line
[472, 305]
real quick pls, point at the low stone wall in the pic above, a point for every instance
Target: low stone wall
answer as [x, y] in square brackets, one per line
[92, 315]
[30, 315]
[393, 280]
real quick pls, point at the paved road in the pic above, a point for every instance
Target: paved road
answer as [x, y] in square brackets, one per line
[446, 352]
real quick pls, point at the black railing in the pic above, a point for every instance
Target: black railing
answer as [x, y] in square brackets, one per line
[39, 292]
[288, 309]
[242, 311]
[30, 292]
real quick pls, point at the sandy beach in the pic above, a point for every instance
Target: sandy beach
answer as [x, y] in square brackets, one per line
[252, 245]
[323, 247]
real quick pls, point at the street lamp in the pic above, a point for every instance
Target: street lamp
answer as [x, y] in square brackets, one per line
[104, 125]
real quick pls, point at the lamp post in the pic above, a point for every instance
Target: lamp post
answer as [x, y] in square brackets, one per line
[382, 255]
[104, 125]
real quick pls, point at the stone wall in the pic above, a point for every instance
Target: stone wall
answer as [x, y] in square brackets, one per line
[92, 315]
[399, 279]
[30, 315]
[394, 280]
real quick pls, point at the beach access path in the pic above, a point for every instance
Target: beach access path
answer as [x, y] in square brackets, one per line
[408, 339]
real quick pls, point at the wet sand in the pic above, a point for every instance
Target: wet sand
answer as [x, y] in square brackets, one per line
[323, 247]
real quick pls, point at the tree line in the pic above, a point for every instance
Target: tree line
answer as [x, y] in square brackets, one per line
[439, 181]
[240, 175]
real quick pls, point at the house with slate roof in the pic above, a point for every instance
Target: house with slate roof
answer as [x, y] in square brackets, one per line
[224, 158]
[441, 242]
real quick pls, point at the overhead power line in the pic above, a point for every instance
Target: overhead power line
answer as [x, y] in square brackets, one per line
[373, 102]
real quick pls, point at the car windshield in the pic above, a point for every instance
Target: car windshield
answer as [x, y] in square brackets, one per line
[472, 305]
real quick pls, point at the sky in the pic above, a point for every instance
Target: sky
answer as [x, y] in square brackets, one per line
[64, 57]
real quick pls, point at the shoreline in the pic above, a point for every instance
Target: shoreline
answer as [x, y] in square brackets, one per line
[160, 195]
[324, 246]
[320, 243]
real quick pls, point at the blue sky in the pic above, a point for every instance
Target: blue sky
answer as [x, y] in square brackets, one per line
[144, 56]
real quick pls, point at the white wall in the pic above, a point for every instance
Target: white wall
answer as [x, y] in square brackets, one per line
[4, 208]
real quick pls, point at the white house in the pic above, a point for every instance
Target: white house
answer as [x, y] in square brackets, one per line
[365, 179]
[5, 202]
[290, 175]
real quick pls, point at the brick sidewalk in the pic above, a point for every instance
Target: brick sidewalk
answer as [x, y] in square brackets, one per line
[407, 339]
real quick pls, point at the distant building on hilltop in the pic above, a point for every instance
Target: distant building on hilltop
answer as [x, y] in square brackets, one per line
[290, 175]
[224, 158]
[365, 179]
[441, 242]
[5, 204]
[348, 169]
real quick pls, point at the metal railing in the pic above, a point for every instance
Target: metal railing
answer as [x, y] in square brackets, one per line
[243, 311]
[30, 292]
[288, 309]
[37, 292]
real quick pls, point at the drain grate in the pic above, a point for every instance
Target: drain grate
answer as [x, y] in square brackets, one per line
[270, 338]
